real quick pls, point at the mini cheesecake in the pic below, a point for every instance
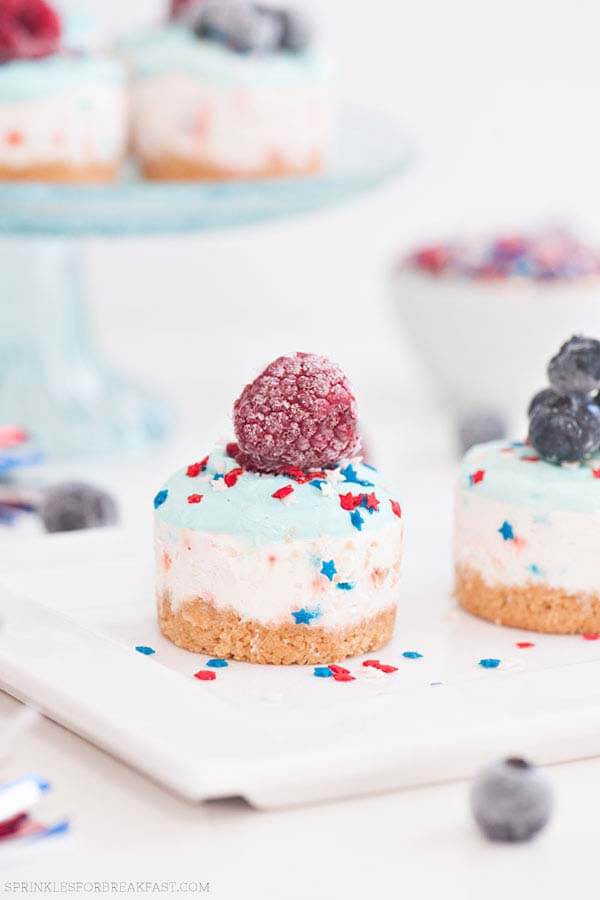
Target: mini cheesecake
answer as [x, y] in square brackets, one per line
[268, 569]
[205, 107]
[282, 547]
[527, 528]
[527, 534]
[63, 114]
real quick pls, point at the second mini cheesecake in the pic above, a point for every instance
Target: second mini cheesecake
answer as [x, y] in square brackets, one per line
[527, 528]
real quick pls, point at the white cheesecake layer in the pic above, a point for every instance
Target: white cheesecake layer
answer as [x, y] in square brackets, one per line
[269, 582]
[559, 548]
[233, 127]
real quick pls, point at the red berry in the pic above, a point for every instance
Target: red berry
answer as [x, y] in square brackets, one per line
[29, 29]
[299, 412]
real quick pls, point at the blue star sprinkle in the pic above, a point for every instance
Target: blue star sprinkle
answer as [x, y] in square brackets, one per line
[345, 585]
[507, 531]
[328, 569]
[146, 651]
[217, 663]
[323, 672]
[305, 616]
[412, 654]
[350, 476]
[317, 482]
[489, 663]
[356, 519]
[160, 498]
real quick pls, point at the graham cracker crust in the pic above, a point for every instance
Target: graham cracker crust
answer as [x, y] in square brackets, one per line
[198, 626]
[533, 607]
[61, 172]
[179, 169]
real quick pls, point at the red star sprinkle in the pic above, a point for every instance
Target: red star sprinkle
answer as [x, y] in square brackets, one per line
[523, 645]
[205, 675]
[338, 670]
[232, 477]
[194, 469]
[596, 473]
[350, 501]
[372, 501]
[343, 676]
[590, 636]
[477, 477]
[530, 458]
[283, 492]
[195, 498]
[396, 508]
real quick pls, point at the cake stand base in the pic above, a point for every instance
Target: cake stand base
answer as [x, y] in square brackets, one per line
[53, 380]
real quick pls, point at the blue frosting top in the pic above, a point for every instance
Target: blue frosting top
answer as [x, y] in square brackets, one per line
[247, 508]
[514, 472]
[25, 79]
[177, 49]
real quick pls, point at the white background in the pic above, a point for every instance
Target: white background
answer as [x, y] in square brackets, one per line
[502, 101]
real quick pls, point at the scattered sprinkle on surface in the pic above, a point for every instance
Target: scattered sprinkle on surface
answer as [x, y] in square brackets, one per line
[489, 663]
[217, 663]
[524, 645]
[145, 651]
[590, 636]
[322, 672]
[205, 675]
[412, 654]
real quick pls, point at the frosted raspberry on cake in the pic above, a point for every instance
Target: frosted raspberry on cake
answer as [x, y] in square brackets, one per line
[528, 513]
[229, 89]
[62, 112]
[280, 547]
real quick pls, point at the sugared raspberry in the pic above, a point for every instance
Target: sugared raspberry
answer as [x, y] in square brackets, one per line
[29, 29]
[299, 412]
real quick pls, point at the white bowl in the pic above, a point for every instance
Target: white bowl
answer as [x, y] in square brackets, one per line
[487, 343]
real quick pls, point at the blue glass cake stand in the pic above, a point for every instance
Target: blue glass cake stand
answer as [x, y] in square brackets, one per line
[53, 380]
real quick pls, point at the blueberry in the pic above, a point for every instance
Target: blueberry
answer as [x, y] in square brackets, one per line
[241, 25]
[74, 505]
[480, 426]
[297, 30]
[564, 429]
[576, 367]
[511, 800]
[546, 396]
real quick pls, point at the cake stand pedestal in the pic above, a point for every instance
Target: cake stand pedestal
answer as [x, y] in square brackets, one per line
[53, 380]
